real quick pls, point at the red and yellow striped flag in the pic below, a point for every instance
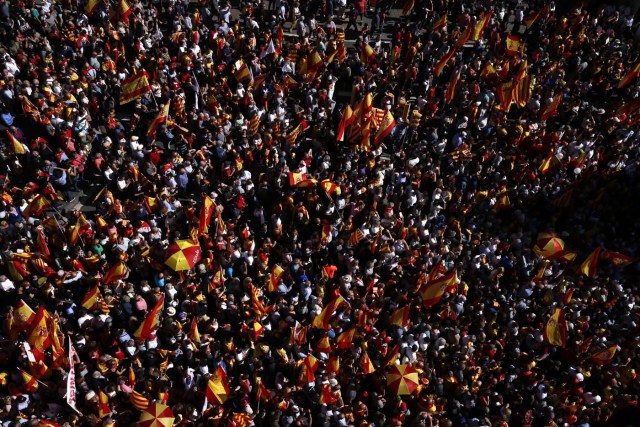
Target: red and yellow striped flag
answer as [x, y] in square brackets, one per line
[345, 339]
[513, 44]
[134, 87]
[206, 213]
[555, 330]
[104, 409]
[605, 356]
[630, 76]
[440, 23]
[408, 7]
[321, 321]
[366, 364]
[347, 119]
[617, 259]
[589, 265]
[242, 71]
[218, 391]
[16, 146]
[551, 109]
[139, 401]
[115, 273]
[432, 292]
[160, 118]
[274, 278]
[480, 26]
[91, 6]
[30, 383]
[194, 334]
[90, 301]
[400, 317]
[451, 89]
[150, 323]
[437, 69]
[38, 333]
[385, 128]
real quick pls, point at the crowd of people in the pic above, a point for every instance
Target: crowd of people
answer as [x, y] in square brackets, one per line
[444, 184]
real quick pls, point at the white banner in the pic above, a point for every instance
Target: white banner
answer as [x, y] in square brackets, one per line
[71, 379]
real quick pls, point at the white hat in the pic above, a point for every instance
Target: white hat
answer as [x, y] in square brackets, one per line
[171, 311]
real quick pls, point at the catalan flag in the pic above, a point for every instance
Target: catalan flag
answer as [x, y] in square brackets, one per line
[356, 237]
[551, 109]
[293, 135]
[218, 391]
[115, 273]
[433, 291]
[605, 356]
[134, 87]
[139, 401]
[150, 323]
[555, 330]
[505, 95]
[523, 90]
[589, 265]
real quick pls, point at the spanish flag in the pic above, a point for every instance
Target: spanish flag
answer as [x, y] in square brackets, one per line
[589, 265]
[90, 301]
[464, 36]
[104, 409]
[16, 146]
[30, 383]
[206, 213]
[551, 109]
[400, 317]
[327, 395]
[480, 26]
[134, 87]
[433, 291]
[564, 255]
[23, 315]
[149, 324]
[451, 89]
[408, 7]
[323, 345]
[115, 273]
[604, 357]
[437, 69]
[242, 71]
[346, 120]
[630, 76]
[550, 162]
[333, 365]
[385, 128]
[321, 321]
[368, 54]
[531, 18]
[218, 391]
[513, 44]
[138, 401]
[366, 364]
[617, 259]
[555, 330]
[345, 339]
[194, 334]
[38, 333]
[488, 70]
[91, 6]
[274, 278]
[440, 23]
[159, 119]
[505, 95]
